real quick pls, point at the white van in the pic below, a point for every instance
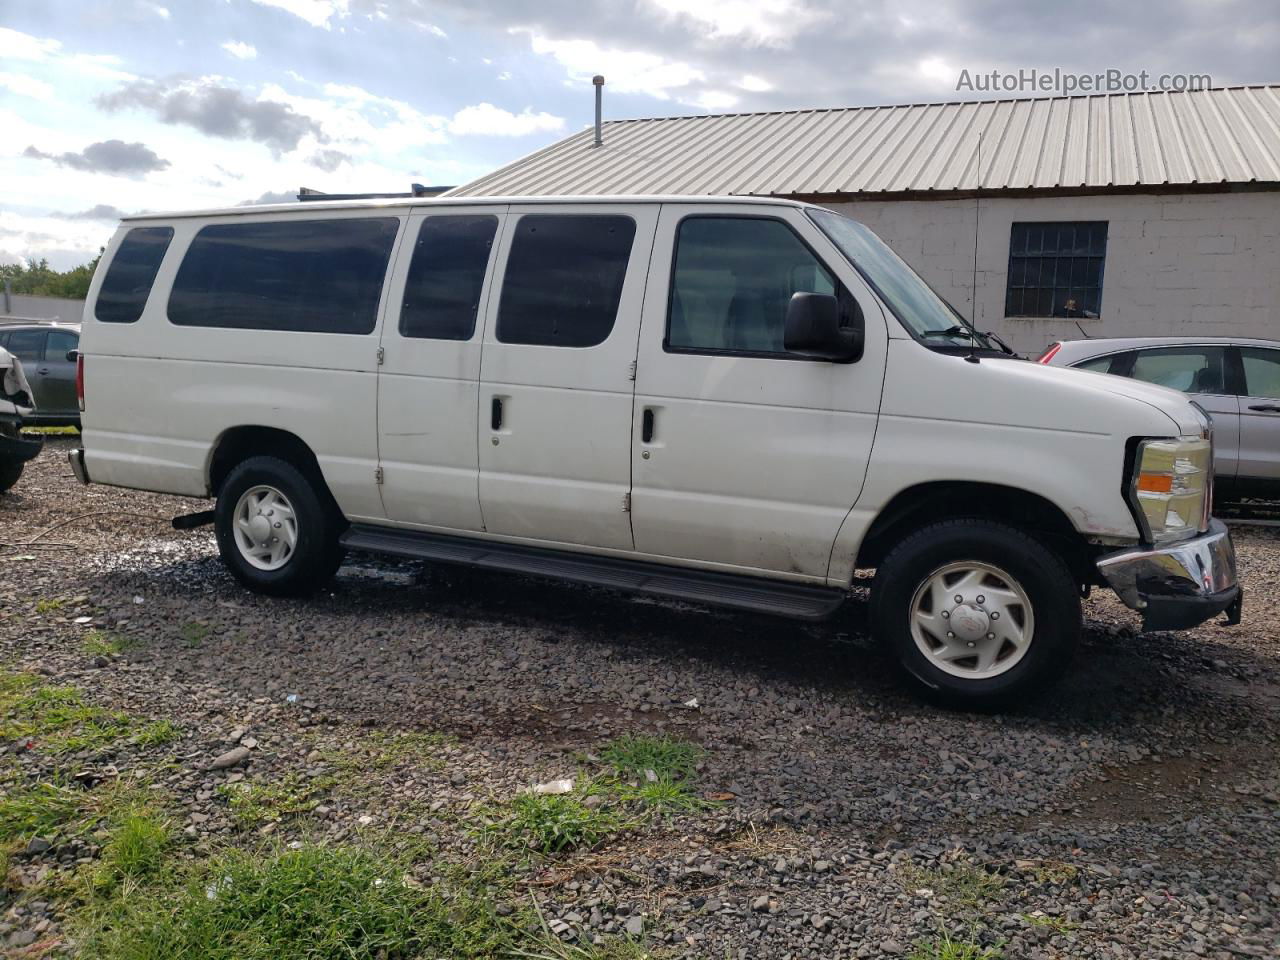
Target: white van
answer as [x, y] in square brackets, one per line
[734, 401]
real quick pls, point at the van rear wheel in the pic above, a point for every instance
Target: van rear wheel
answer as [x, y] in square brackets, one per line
[977, 614]
[275, 531]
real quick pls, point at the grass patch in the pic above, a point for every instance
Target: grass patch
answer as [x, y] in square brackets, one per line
[947, 948]
[52, 431]
[157, 733]
[195, 633]
[1056, 924]
[39, 810]
[315, 902]
[962, 885]
[56, 718]
[638, 756]
[554, 823]
[654, 773]
[104, 643]
[254, 802]
[135, 850]
[49, 604]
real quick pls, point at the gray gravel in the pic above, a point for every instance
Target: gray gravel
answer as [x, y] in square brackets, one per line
[1134, 812]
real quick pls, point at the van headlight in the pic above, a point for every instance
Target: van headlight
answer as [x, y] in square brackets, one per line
[1172, 487]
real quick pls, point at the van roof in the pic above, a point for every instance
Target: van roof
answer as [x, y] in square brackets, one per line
[392, 204]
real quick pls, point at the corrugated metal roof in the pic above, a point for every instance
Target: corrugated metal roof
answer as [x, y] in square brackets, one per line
[1229, 135]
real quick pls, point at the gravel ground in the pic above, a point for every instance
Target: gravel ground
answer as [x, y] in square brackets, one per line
[1134, 812]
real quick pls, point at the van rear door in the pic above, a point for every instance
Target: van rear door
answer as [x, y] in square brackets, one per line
[430, 375]
[556, 382]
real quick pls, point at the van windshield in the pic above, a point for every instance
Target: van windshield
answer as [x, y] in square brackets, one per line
[926, 315]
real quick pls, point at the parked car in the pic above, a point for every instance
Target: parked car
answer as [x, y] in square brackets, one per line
[48, 351]
[1235, 379]
[15, 403]
[734, 401]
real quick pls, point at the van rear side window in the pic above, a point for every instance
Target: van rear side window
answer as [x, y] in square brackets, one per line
[133, 269]
[306, 276]
[564, 279]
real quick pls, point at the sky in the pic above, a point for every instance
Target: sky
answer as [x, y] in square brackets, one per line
[116, 106]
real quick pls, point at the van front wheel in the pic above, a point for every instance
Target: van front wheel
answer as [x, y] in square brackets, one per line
[274, 531]
[978, 614]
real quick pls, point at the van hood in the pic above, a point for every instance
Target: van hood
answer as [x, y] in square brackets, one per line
[1171, 403]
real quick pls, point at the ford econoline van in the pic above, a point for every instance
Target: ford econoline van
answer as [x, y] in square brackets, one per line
[732, 401]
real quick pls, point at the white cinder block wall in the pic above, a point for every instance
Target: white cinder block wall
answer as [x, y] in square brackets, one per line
[1184, 264]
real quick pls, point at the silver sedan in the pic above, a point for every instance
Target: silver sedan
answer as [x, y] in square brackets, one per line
[1235, 379]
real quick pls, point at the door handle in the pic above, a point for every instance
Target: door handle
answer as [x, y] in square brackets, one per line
[495, 414]
[1265, 408]
[646, 426]
[43, 371]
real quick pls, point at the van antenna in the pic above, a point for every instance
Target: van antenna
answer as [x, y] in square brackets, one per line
[1083, 333]
[973, 302]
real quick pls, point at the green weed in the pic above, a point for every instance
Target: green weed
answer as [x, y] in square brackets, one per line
[553, 823]
[322, 903]
[254, 802]
[947, 948]
[103, 643]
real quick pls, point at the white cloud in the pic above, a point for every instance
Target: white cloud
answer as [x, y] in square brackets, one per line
[715, 100]
[239, 50]
[318, 13]
[159, 11]
[484, 119]
[764, 22]
[25, 86]
[753, 84]
[626, 71]
[23, 46]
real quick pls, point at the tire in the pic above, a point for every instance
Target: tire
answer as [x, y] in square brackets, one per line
[10, 471]
[267, 490]
[997, 570]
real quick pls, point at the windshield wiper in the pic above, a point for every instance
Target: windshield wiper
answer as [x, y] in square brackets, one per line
[953, 331]
[1003, 346]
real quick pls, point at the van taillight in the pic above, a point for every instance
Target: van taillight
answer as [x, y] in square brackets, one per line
[80, 381]
[1050, 352]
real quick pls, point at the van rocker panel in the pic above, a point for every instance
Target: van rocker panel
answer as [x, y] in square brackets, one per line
[699, 586]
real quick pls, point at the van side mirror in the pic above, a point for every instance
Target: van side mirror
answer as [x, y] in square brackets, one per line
[73, 356]
[813, 329]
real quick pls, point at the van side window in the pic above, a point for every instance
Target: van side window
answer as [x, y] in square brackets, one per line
[308, 276]
[564, 279]
[127, 285]
[446, 275]
[732, 281]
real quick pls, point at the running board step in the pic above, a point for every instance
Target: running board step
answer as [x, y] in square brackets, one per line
[719, 589]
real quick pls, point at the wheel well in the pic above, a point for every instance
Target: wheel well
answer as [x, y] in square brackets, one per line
[927, 503]
[240, 443]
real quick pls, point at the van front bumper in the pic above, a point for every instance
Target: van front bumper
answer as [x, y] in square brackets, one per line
[1179, 586]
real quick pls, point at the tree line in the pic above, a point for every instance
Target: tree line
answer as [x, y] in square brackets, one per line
[39, 279]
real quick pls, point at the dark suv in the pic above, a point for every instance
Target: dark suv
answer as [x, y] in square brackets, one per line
[48, 351]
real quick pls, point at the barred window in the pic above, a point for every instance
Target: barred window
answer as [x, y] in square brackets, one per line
[1055, 269]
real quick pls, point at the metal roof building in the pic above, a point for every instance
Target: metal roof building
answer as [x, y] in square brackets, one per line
[1107, 215]
[1103, 142]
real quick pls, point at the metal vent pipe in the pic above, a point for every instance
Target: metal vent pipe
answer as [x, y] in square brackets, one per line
[598, 82]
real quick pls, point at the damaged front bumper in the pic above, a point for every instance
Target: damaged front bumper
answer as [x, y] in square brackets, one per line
[1179, 586]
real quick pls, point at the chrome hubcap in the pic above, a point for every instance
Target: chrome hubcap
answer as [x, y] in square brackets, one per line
[265, 527]
[972, 620]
